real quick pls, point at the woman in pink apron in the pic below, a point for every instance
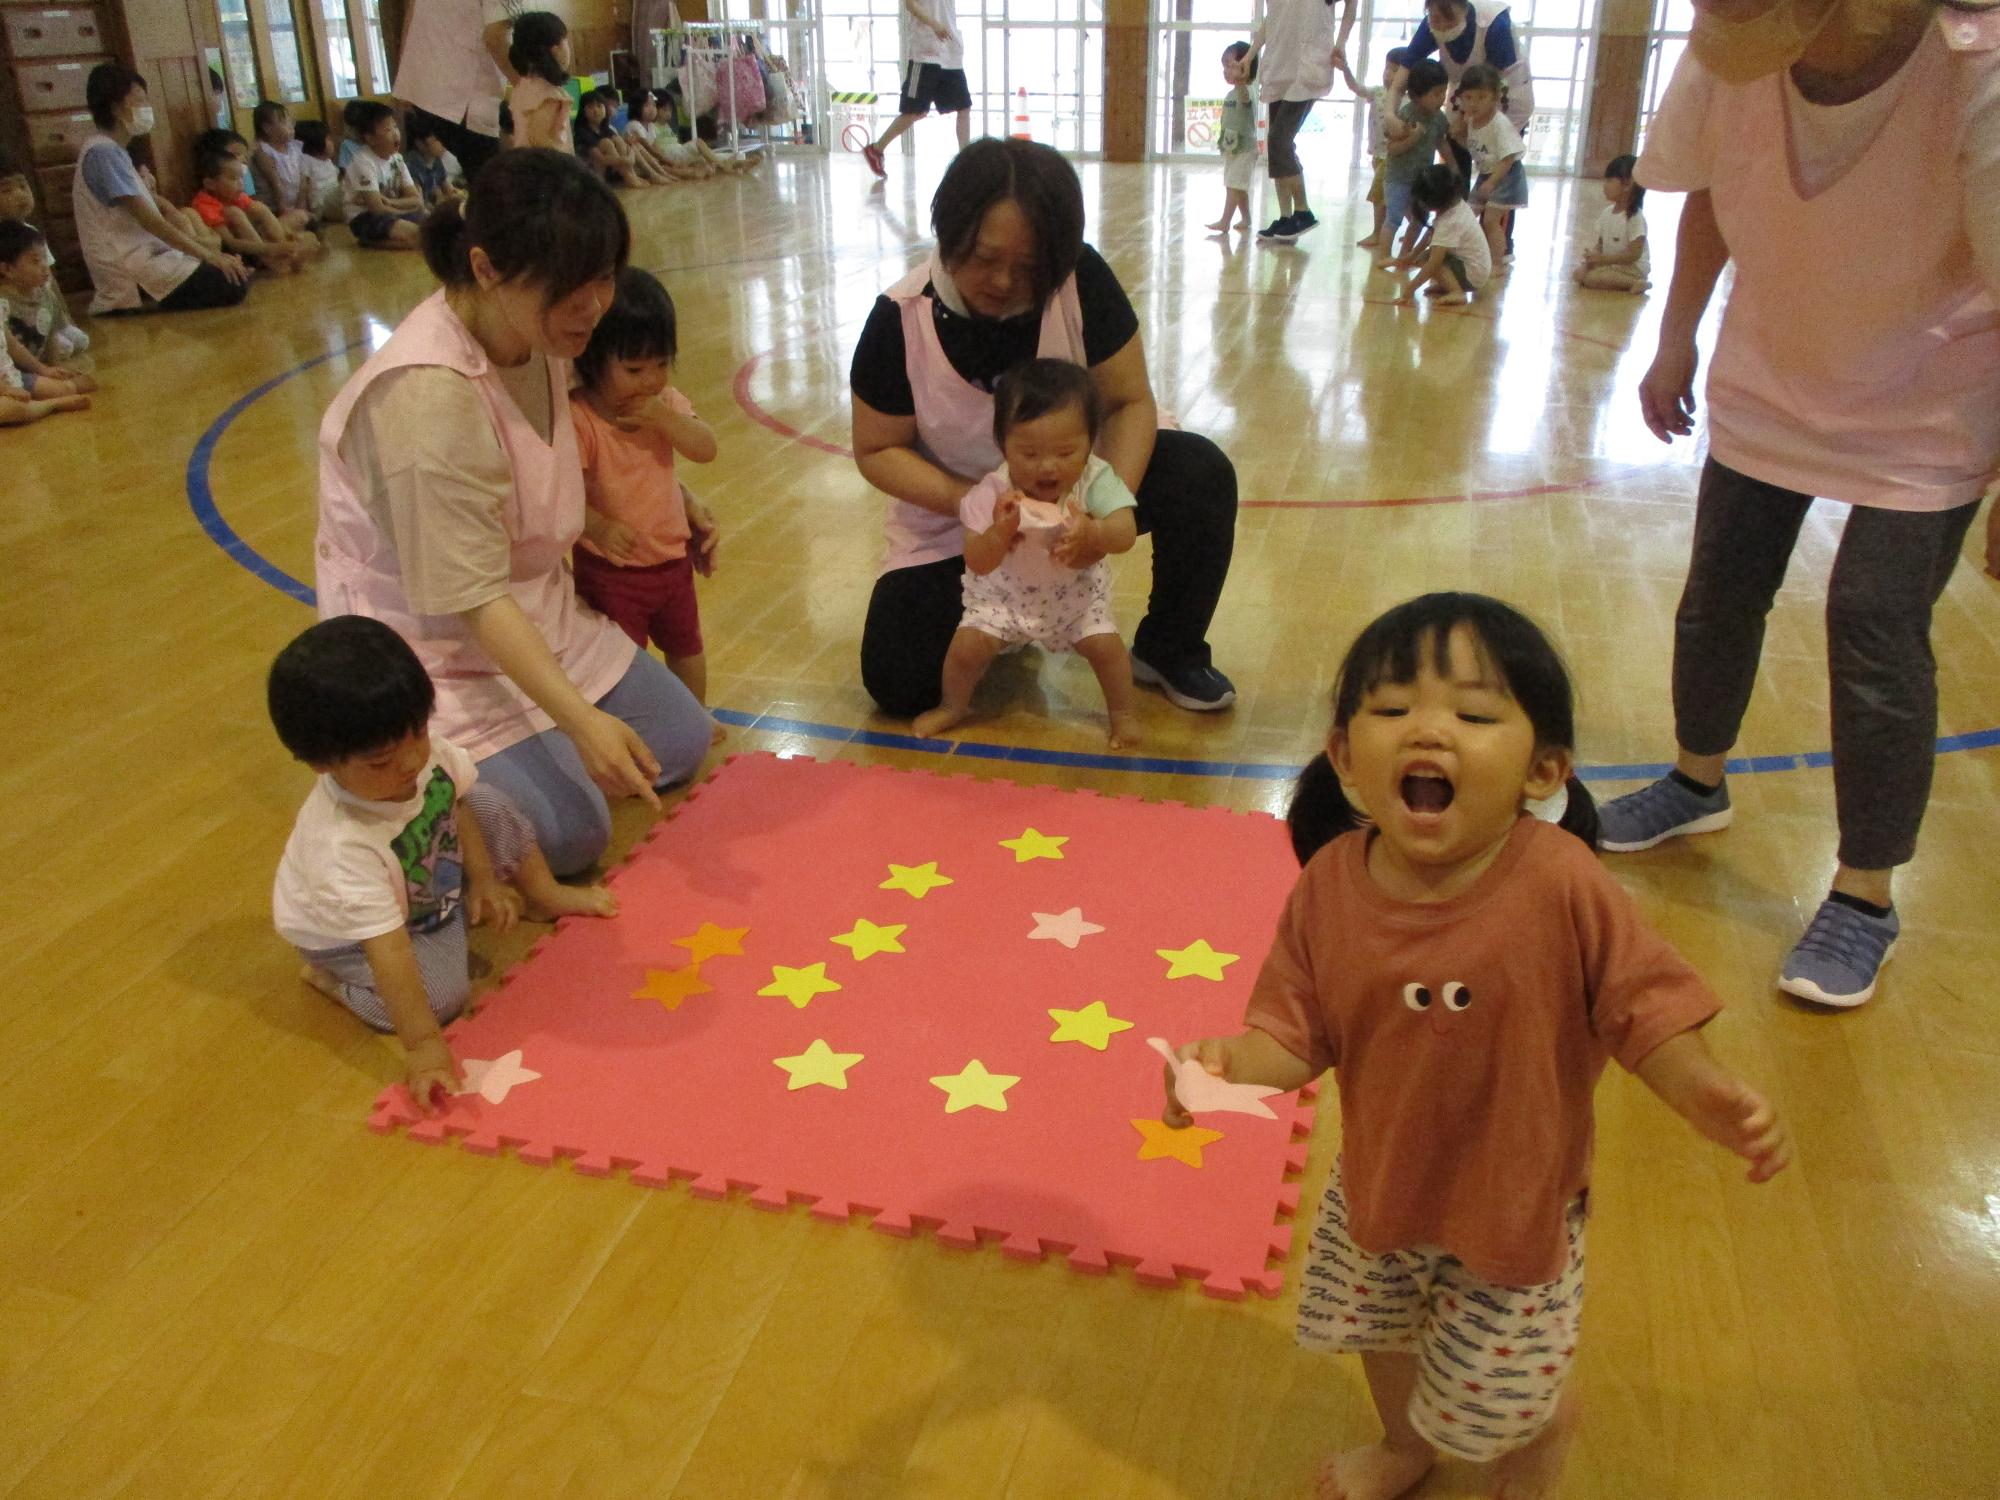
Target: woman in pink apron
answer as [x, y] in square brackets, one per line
[450, 495]
[1847, 159]
[1011, 280]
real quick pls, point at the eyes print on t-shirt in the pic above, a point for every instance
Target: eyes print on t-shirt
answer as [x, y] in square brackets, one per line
[1441, 1003]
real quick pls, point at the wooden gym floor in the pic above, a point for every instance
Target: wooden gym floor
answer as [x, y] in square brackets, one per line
[214, 1281]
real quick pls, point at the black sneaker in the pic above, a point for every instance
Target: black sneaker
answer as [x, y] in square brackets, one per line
[1279, 229]
[1195, 686]
[1303, 221]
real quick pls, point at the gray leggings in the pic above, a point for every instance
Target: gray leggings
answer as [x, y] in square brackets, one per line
[441, 957]
[1280, 155]
[1888, 573]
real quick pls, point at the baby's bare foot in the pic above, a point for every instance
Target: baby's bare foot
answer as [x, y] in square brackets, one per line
[1453, 299]
[717, 732]
[321, 980]
[1377, 1472]
[937, 721]
[574, 901]
[1124, 731]
[1368, 244]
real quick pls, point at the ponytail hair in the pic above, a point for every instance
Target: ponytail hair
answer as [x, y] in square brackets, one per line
[532, 48]
[541, 216]
[1622, 168]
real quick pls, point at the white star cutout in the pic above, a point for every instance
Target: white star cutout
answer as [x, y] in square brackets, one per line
[494, 1079]
[1065, 927]
[1201, 1092]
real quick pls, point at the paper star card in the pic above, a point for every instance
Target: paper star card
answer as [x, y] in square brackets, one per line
[928, 1000]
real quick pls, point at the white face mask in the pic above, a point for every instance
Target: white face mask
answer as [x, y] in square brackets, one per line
[143, 120]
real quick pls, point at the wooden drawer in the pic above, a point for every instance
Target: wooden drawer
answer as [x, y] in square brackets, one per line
[52, 189]
[59, 138]
[68, 32]
[53, 85]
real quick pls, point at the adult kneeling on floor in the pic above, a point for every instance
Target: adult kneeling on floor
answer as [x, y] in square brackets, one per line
[1011, 280]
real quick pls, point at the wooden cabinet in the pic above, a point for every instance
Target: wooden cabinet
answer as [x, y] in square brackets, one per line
[50, 50]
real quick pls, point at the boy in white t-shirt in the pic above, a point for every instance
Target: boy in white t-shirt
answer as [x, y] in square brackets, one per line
[1619, 261]
[1452, 257]
[385, 207]
[381, 872]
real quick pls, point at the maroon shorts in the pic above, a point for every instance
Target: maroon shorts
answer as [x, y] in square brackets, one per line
[656, 601]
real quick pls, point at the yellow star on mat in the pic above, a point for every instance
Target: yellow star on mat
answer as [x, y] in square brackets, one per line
[867, 939]
[1197, 958]
[1158, 1141]
[918, 880]
[713, 942]
[1034, 844]
[1094, 1026]
[975, 1086]
[671, 986]
[819, 1063]
[799, 985]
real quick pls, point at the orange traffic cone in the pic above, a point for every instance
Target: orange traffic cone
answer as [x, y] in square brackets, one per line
[1021, 130]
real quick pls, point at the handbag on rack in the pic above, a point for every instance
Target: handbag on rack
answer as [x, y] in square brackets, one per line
[746, 99]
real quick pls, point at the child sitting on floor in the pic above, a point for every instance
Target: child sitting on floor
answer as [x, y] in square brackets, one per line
[384, 208]
[644, 536]
[319, 177]
[649, 134]
[277, 167]
[437, 172]
[1465, 971]
[247, 227]
[382, 873]
[615, 158]
[27, 290]
[28, 396]
[1026, 523]
[41, 321]
[1619, 261]
[1452, 256]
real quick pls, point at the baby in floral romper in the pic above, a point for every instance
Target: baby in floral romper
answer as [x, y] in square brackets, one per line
[1028, 525]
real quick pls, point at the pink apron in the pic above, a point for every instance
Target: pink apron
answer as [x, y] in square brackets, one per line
[1859, 357]
[954, 416]
[478, 706]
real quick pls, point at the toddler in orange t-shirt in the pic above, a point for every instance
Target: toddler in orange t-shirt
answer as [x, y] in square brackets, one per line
[1466, 971]
[644, 536]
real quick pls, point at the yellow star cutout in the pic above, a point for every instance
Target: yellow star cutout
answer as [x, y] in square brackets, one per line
[867, 939]
[1034, 844]
[1157, 1141]
[671, 986]
[918, 880]
[713, 942]
[799, 985]
[819, 1063]
[1094, 1026]
[1197, 958]
[975, 1086]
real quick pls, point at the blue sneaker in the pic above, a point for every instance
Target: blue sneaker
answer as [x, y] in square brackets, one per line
[1840, 957]
[1193, 685]
[1659, 812]
[1283, 230]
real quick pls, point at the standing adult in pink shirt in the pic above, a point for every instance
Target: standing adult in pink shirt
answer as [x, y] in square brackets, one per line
[1845, 155]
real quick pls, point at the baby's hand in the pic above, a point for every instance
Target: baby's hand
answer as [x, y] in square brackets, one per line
[704, 534]
[617, 541]
[1734, 1115]
[492, 903]
[1213, 1054]
[429, 1069]
[1007, 513]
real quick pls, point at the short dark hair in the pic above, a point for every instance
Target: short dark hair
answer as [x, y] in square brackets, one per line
[17, 239]
[1436, 187]
[420, 126]
[1239, 49]
[311, 136]
[1426, 75]
[214, 141]
[213, 163]
[365, 116]
[1485, 78]
[532, 50]
[347, 686]
[1039, 386]
[106, 89]
[1038, 180]
[640, 324]
[608, 97]
[267, 112]
[1400, 56]
[540, 215]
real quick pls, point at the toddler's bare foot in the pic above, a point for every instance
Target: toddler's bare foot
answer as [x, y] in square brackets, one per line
[1433, 290]
[1124, 731]
[1531, 1473]
[64, 403]
[1640, 288]
[1368, 244]
[717, 732]
[1377, 1472]
[937, 721]
[573, 901]
[1220, 227]
[321, 980]
[1453, 299]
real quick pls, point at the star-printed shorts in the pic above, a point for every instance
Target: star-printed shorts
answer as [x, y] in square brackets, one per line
[1491, 1359]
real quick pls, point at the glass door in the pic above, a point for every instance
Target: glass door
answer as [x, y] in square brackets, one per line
[347, 35]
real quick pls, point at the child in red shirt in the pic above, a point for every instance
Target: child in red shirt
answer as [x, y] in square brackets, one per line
[247, 227]
[1466, 971]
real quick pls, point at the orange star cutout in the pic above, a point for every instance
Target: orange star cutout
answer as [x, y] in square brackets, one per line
[671, 986]
[713, 942]
[1158, 1141]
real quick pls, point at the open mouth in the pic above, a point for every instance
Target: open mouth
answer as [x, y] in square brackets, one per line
[1426, 793]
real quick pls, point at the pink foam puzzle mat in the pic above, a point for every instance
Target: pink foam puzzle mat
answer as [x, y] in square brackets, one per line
[931, 1000]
